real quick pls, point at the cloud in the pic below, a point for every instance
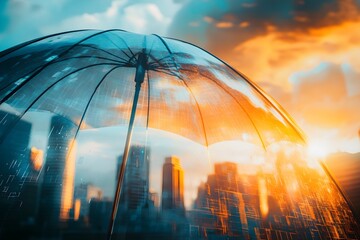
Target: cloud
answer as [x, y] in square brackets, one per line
[325, 106]
[240, 22]
[324, 88]
[25, 20]
[303, 53]
[141, 18]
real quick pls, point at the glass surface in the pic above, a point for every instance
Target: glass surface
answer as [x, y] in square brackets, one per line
[202, 151]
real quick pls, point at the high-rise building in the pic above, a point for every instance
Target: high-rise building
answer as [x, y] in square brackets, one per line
[154, 199]
[58, 180]
[99, 213]
[15, 171]
[135, 187]
[219, 209]
[172, 185]
[345, 169]
[84, 193]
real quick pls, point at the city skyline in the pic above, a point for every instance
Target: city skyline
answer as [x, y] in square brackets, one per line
[300, 47]
[231, 200]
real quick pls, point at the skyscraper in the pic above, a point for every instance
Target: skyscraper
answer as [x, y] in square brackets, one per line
[84, 193]
[345, 168]
[219, 209]
[59, 170]
[14, 171]
[172, 185]
[135, 188]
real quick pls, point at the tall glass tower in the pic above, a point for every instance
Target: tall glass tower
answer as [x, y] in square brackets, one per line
[58, 181]
[173, 185]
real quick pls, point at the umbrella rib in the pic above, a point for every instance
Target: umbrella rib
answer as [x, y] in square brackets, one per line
[287, 118]
[85, 110]
[6, 97]
[62, 60]
[148, 108]
[10, 83]
[131, 59]
[188, 88]
[247, 114]
[102, 50]
[157, 65]
[12, 125]
[344, 195]
[139, 79]
[149, 53]
[96, 57]
[18, 47]
[118, 45]
[125, 43]
[165, 72]
[198, 107]
[159, 60]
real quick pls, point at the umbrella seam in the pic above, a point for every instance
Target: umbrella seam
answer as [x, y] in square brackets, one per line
[13, 124]
[123, 42]
[20, 46]
[6, 97]
[186, 85]
[247, 114]
[64, 59]
[287, 118]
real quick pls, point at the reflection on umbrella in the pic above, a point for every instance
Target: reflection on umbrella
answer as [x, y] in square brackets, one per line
[114, 77]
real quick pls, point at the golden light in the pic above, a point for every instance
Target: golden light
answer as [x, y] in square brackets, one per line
[318, 149]
[36, 158]
[77, 207]
[68, 182]
[263, 198]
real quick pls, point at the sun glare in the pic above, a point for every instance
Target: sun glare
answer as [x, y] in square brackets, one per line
[318, 149]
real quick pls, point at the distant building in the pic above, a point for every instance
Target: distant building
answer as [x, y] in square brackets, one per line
[172, 197]
[219, 209]
[99, 214]
[17, 177]
[84, 193]
[154, 199]
[135, 188]
[57, 190]
[345, 169]
[36, 158]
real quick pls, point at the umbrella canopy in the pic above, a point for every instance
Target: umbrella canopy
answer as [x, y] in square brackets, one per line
[91, 121]
[197, 95]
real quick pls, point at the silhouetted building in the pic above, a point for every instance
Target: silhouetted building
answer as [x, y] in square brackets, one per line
[154, 199]
[99, 214]
[220, 208]
[345, 169]
[134, 197]
[135, 188]
[172, 197]
[58, 180]
[16, 173]
[84, 193]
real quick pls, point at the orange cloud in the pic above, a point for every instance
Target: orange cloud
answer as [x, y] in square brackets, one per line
[288, 66]
[275, 56]
[224, 24]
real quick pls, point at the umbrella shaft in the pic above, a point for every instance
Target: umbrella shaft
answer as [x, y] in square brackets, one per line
[139, 78]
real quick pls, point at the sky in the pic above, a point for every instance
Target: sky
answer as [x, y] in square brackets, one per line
[303, 53]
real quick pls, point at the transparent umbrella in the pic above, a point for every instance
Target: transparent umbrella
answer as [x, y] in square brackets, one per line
[75, 103]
